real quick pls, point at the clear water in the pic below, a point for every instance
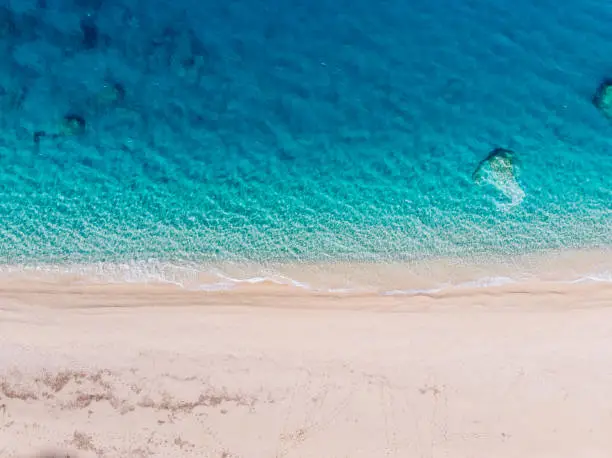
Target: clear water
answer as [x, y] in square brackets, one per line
[300, 130]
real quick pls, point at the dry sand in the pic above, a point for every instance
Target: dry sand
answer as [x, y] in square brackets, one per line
[136, 371]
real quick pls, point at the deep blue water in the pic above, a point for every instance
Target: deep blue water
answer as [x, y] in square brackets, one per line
[299, 130]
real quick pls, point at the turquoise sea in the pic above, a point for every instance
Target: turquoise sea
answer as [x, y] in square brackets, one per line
[199, 132]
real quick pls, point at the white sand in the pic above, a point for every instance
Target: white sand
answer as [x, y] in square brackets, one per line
[521, 371]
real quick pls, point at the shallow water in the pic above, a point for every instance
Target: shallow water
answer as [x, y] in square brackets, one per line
[299, 131]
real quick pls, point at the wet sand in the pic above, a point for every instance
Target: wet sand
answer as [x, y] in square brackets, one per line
[416, 276]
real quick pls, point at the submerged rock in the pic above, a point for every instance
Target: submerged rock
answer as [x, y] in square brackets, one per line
[38, 135]
[603, 97]
[500, 160]
[72, 125]
[499, 170]
[111, 93]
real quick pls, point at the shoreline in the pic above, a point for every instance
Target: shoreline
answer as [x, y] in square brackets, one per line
[562, 272]
[550, 295]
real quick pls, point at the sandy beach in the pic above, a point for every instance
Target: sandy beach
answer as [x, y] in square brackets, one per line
[154, 371]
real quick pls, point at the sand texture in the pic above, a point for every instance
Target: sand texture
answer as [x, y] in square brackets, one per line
[486, 373]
